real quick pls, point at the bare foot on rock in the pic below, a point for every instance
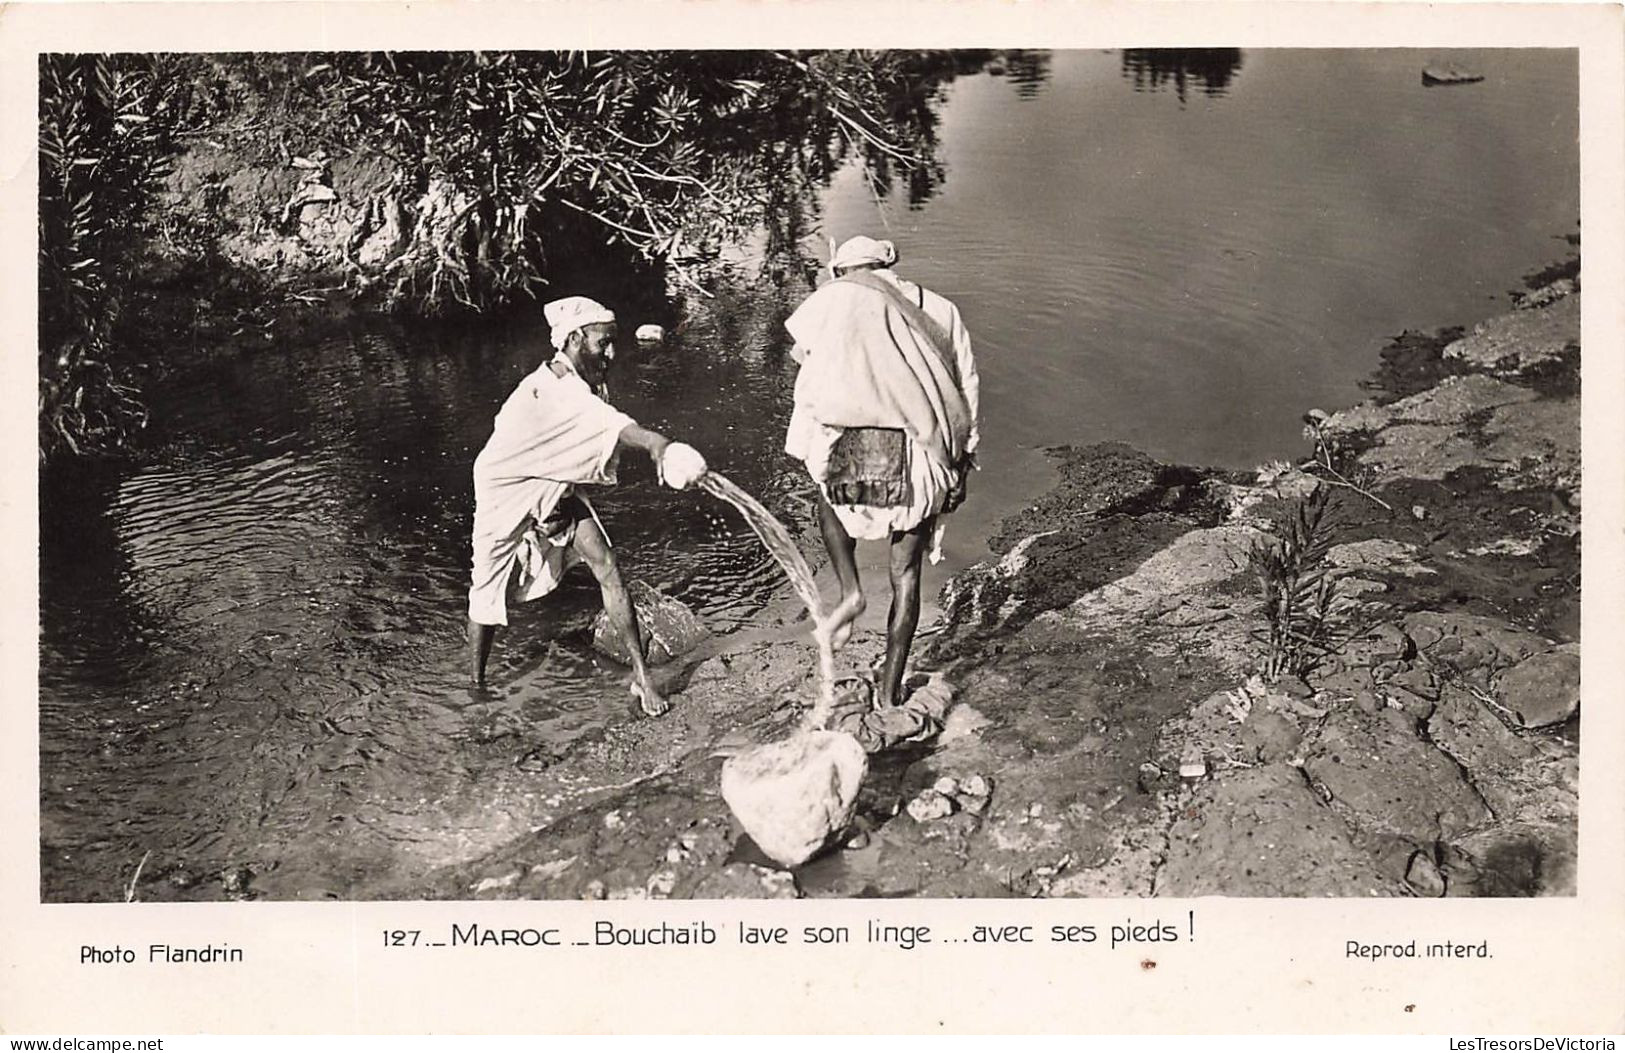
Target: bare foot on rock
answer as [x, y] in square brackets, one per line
[650, 700]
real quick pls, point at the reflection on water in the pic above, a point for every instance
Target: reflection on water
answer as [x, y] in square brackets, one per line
[1028, 71]
[1151, 69]
[251, 648]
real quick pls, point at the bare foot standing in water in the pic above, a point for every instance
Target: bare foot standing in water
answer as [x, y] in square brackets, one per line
[885, 420]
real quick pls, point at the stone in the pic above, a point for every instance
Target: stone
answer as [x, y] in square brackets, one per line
[1273, 737]
[1524, 859]
[975, 786]
[670, 630]
[1192, 561]
[1543, 689]
[1520, 340]
[1417, 680]
[1471, 641]
[1263, 832]
[650, 334]
[495, 883]
[1390, 780]
[930, 805]
[1546, 294]
[1423, 451]
[947, 786]
[1507, 769]
[790, 796]
[1423, 876]
[1536, 446]
[1455, 399]
[973, 803]
[747, 881]
[1377, 554]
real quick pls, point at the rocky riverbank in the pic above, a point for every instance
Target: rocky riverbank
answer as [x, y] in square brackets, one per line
[1111, 734]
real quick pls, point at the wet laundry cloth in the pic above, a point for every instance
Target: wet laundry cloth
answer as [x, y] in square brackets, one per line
[919, 718]
[553, 433]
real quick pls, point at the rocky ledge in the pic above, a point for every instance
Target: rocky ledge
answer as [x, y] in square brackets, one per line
[1113, 731]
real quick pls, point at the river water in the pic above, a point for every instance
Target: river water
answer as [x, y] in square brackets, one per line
[251, 647]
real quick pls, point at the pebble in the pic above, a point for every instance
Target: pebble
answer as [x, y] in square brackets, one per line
[930, 805]
[975, 786]
[973, 803]
[594, 889]
[947, 786]
[660, 884]
[1423, 877]
[650, 334]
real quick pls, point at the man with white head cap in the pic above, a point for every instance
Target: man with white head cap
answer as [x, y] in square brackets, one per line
[885, 420]
[555, 433]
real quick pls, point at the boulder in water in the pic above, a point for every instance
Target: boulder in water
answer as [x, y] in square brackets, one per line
[670, 629]
[791, 796]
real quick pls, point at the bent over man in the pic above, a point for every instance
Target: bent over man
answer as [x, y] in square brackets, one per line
[885, 421]
[553, 434]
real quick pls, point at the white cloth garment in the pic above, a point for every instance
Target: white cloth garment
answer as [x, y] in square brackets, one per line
[571, 313]
[553, 433]
[810, 441]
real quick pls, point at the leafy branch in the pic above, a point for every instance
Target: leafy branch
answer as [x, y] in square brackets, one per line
[1332, 461]
[1297, 588]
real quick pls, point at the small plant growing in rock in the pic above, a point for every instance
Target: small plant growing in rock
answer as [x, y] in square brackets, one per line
[1298, 589]
[1334, 463]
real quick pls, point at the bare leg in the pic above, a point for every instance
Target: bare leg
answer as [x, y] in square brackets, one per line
[907, 552]
[623, 615]
[479, 649]
[843, 554]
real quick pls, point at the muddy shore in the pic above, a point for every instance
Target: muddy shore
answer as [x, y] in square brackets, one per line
[1106, 662]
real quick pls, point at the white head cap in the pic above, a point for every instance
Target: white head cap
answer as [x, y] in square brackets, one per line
[571, 313]
[860, 250]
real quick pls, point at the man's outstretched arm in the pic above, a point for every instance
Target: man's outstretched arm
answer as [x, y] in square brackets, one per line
[636, 436]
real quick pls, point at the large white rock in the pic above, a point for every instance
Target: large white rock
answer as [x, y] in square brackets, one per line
[790, 796]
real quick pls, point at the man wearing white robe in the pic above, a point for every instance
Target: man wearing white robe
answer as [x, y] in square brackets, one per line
[879, 352]
[555, 433]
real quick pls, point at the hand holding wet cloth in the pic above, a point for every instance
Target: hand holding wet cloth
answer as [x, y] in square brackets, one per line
[680, 466]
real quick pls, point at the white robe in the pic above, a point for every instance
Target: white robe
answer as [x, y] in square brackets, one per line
[810, 441]
[553, 433]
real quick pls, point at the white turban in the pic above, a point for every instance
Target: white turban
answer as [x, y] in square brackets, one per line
[572, 313]
[860, 250]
